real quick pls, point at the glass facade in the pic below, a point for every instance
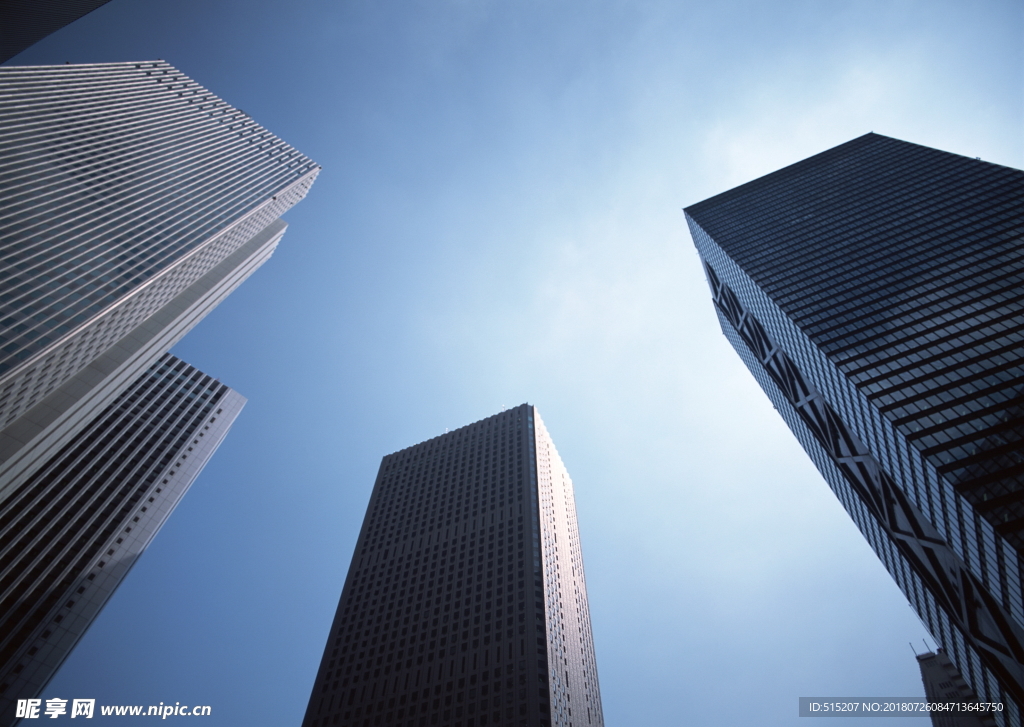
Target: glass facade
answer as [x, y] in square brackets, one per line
[462, 605]
[72, 531]
[875, 292]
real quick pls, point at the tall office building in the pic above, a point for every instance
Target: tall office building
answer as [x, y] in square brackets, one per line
[132, 201]
[465, 603]
[875, 292]
[72, 530]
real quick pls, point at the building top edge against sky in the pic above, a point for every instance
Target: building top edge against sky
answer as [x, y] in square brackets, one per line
[823, 219]
[835, 204]
[459, 429]
[836, 154]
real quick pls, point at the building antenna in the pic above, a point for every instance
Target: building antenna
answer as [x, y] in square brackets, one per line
[912, 648]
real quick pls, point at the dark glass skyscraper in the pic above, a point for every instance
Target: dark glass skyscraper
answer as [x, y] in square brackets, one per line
[876, 292]
[465, 603]
[132, 202]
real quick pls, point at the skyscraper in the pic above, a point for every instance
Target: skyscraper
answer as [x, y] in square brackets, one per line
[465, 602]
[875, 292]
[132, 201]
[72, 530]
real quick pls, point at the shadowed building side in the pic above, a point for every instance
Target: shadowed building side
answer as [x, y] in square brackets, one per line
[26, 22]
[944, 685]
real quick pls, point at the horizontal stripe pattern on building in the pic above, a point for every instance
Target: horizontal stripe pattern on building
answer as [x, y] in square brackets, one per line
[122, 184]
[72, 530]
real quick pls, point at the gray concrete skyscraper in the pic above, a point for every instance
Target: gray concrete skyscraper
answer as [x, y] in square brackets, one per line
[876, 293]
[465, 603]
[132, 201]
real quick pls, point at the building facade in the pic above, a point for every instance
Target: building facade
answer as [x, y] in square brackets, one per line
[465, 602]
[72, 530]
[876, 293]
[944, 685]
[132, 202]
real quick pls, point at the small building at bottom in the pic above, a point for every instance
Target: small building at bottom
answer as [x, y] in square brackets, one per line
[465, 603]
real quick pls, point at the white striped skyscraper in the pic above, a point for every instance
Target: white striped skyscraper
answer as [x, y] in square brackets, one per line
[132, 201]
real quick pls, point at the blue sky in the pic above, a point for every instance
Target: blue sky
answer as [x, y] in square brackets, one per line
[499, 220]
